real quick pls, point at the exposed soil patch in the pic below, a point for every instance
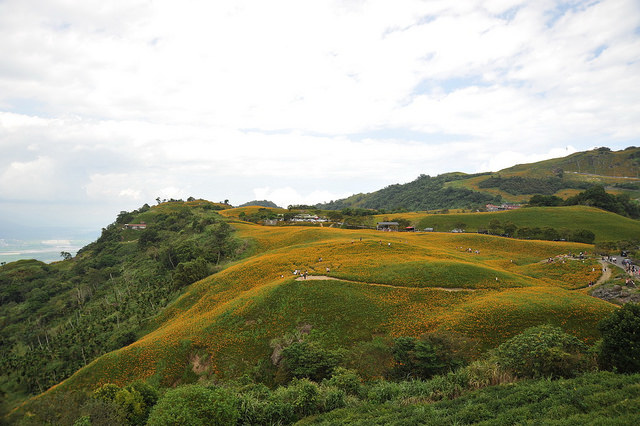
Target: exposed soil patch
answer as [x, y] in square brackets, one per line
[199, 365]
[324, 277]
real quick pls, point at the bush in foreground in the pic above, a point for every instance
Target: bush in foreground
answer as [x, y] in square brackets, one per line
[544, 351]
[195, 405]
[620, 346]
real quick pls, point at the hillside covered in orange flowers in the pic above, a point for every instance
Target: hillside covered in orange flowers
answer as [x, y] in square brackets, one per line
[361, 285]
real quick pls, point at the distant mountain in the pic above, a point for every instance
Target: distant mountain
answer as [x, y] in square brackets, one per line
[600, 162]
[424, 193]
[618, 171]
[261, 203]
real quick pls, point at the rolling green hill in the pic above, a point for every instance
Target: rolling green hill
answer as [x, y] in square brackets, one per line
[605, 225]
[200, 295]
[618, 171]
[385, 284]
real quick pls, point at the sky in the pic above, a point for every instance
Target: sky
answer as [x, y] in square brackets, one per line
[107, 105]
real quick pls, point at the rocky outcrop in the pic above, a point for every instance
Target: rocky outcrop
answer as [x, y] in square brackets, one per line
[617, 294]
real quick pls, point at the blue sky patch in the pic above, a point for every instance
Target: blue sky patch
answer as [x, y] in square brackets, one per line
[25, 106]
[449, 85]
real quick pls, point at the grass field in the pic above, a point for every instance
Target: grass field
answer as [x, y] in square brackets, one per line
[605, 225]
[388, 284]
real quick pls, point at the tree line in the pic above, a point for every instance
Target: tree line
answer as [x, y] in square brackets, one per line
[595, 196]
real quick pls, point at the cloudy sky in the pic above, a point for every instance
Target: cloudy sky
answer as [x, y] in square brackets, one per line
[106, 105]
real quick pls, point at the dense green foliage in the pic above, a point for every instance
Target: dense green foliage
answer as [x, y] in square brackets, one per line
[307, 359]
[509, 229]
[543, 351]
[596, 196]
[427, 356]
[594, 398]
[424, 193]
[133, 402]
[483, 391]
[195, 405]
[463, 397]
[620, 347]
[545, 201]
[262, 214]
[457, 190]
[517, 185]
[57, 318]
[261, 203]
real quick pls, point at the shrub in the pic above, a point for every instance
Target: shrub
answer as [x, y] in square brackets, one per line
[102, 412]
[332, 398]
[134, 401]
[308, 359]
[432, 354]
[302, 394]
[346, 380]
[195, 405]
[189, 272]
[543, 351]
[620, 346]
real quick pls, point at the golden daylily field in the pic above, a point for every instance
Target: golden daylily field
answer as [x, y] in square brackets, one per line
[388, 284]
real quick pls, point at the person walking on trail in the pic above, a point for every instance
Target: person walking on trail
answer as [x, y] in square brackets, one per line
[305, 275]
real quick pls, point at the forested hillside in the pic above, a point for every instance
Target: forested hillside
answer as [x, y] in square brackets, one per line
[176, 303]
[424, 193]
[618, 172]
[57, 318]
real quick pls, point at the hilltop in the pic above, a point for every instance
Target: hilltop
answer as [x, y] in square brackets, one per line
[184, 292]
[618, 171]
[230, 317]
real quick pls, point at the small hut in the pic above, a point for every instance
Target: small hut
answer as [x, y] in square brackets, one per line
[387, 226]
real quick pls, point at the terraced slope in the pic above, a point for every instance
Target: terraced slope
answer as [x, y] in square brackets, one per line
[384, 284]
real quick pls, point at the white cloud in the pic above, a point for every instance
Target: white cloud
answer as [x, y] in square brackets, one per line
[29, 180]
[286, 196]
[123, 102]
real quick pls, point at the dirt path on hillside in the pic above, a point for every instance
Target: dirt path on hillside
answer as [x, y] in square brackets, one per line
[325, 277]
[606, 274]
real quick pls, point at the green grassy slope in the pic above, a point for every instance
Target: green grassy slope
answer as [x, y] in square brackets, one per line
[573, 173]
[606, 226]
[383, 290]
[598, 166]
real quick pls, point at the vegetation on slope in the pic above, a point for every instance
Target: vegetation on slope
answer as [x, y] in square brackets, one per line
[605, 226]
[618, 171]
[57, 318]
[229, 318]
[424, 193]
[380, 286]
[429, 380]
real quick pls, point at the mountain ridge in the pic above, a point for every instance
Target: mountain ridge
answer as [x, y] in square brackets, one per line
[563, 177]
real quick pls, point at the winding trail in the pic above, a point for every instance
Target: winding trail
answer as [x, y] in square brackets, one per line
[325, 277]
[606, 274]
